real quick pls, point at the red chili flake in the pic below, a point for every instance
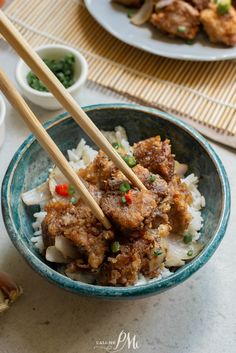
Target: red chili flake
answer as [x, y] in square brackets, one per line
[62, 190]
[128, 197]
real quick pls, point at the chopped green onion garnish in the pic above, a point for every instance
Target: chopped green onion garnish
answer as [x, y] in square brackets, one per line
[74, 200]
[152, 178]
[123, 199]
[181, 29]
[62, 68]
[71, 190]
[189, 41]
[187, 238]
[125, 186]
[223, 7]
[130, 13]
[190, 252]
[116, 145]
[115, 247]
[157, 252]
[130, 160]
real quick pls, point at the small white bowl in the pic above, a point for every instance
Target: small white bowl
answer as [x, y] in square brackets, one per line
[2, 120]
[46, 99]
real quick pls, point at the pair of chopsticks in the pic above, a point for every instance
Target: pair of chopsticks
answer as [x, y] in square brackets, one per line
[37, 65]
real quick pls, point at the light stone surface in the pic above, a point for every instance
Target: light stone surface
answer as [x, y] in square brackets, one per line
[198, 316]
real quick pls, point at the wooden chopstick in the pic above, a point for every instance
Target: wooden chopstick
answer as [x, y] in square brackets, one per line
[37, 65]
[49, 145]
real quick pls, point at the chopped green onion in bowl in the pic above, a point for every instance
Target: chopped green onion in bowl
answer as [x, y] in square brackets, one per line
[63, 69]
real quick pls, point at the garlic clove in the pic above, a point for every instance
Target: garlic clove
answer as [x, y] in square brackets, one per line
[9, 291]
[3, 302]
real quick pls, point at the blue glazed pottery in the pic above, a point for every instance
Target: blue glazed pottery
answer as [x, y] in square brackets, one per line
[30, 164]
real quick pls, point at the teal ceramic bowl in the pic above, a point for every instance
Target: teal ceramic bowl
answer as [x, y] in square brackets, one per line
[29, 167]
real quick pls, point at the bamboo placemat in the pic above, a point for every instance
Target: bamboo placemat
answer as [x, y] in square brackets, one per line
[203, 93]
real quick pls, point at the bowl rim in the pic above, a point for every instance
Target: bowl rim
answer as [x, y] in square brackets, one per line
[78, 83]
[150, 288]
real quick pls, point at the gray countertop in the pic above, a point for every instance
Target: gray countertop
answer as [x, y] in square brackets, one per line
[197, 316]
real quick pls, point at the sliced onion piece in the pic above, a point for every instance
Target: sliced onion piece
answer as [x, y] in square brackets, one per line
[110, 136]
[178, 252]
[75, 154]
[65, 247]
[81, 277]
[163, 3]
[180, 168]
[143, 15]
[54, 255]
[38, 195]
[120, 134]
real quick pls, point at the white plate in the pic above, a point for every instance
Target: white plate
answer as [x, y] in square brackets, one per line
[2, 120]
[115, 20]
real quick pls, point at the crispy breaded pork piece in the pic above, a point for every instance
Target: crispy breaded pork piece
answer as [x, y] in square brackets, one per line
[156, 155]
[94, 191]
[78, 224]
[105, 167]
[200, 4]
[153, 182]
[99, 171]
[179, 19]
[179, 216]
[122, 269]
[129, 3]
[144, 254]
[219, 28]
[128, 216]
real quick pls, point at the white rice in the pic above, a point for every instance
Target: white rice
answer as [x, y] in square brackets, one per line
[120, 136]
[37, 239]
[83, 155]
[195, 209]
[164, 272]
